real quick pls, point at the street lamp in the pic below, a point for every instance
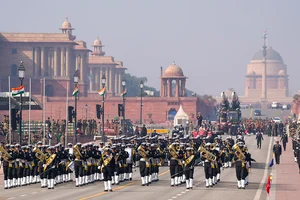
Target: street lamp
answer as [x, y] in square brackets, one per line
[123, 96]
[75, 80]
[86, 110]
[21, 71]
[141, 109]
[103, 81]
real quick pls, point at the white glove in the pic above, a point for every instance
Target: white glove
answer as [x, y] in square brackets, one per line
[44, 165]
[99, 167]
[53, 167]
[183, 162]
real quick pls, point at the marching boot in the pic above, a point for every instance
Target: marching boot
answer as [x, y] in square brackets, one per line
[49, 183]
[52, 183]
[130, 176]
[239, 184]
[86, 179]
[42, 183]
[147, 180]
[210, 182]
[109, 186]
[102, 177]
[172, 182]
[117, 179]
[9, 183]
[229, 164]
[113, 179]
[27, 180]
[183, 178]
[218, 177]
[187, 184]
[80, 181]
[143, 181]
[37, 179]
[246, 180]
[96, 176]
[150, 179]
[191, 183]
[243, 184]
[207, 183]
[105, 186]
[5, 184]
[214, 180]
[176, 181]
[91, 178]
[76, 182]
[23, 181]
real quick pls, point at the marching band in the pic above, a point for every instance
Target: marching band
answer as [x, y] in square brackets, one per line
[114, 163]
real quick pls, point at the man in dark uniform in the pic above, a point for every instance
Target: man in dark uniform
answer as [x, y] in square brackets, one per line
[143, 131]
[107, 168]
[259, 138]
[199, 120]
[298, 153]
[284, 140]
[277, 150]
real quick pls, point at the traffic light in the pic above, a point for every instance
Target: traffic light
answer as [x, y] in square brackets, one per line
[13, 114]
[98, 111]
[120, 110]
[70, 113]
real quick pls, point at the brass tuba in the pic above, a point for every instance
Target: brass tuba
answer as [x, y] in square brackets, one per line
[77, 152]
[143, 153]
[5, 155]
[39, 154]
[213, 146]
[239, 153]
[173, 152]
[49, 161]
[206, 154]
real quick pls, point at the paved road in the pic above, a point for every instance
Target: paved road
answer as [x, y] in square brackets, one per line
[225, 190]
[266, 113]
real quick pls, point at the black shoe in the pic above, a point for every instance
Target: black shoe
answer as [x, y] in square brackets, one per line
[243, 187]
[173, 185]
[5, 188]
[218, 180]
[130, 179]
[147, 184]
[105, 190]
[113, 183]
[143, 184]
[117, 183]
[52, 188]
[207, 186]
[110, 190]
[191, 188]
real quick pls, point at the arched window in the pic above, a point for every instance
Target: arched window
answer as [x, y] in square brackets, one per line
[49, 91]
[171, 114]
[14, 70]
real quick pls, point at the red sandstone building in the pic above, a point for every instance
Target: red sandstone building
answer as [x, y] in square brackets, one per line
[56, 57]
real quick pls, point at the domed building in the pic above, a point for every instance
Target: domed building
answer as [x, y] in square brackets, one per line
[270, 85]
[173, 74]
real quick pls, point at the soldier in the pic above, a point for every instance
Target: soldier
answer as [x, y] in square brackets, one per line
[207, 166]
[50, 166]
[78, 162]
[124, 156]
[188, 163]
[298, 153]
[277, 150]
[107, 168]
[130, 161]
[259, 138]
[7, 167]
[240, 166]
[284, 140]
[143, 156]
[295, 148]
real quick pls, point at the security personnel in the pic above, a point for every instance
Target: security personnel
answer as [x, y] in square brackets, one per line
[284, 140]
[277, 150]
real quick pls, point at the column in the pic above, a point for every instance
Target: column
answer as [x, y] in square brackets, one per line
[67, 61]
[36, 61]
[42, 61]
[76, 62]
[50, 63]
[95, 74]
[169, 88]
[55, 62]
[183, 87]
[81, 68]
[62, 61]
[91, 83]
[165, 88]
[107, 79]
[177, 88]
[116, 82]
[120, 81]
[110, 80]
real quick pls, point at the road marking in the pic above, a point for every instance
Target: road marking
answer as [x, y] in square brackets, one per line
[11, 198]
[174, 197]
[262, 182]
[183, 192]
[23, 195]
[118, 188]
[179, 194]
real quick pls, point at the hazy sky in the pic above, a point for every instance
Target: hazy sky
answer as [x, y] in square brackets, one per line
[211, 40]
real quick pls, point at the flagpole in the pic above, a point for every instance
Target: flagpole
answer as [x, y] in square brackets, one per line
[67, 102]
[44, 108]
[29, 126]
[9, 114]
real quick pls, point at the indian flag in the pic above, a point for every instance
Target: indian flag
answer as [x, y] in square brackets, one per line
[102, 91]
[75, 91]
[124, 93]
[18, 90]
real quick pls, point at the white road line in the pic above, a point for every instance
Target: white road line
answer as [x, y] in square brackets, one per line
[23, 195]
[179, 194]
[11, 198]
[260, 188]
[183, 192]
[174, 197]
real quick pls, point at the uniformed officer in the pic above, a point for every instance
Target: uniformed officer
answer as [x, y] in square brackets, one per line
[277, 150]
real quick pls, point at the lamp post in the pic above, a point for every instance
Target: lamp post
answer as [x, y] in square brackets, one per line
[141, 109]
[75, 79]
[86, 110]
[21, 71]
[123, 96]
[103, 81]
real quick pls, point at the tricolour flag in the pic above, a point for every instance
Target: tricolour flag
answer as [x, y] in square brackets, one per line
[18, 90]
[75, 91]
[268, 186]
[102, 91]
[124, 93]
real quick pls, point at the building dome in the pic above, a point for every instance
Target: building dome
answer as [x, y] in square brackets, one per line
[281, 73]
[271, 55]
[66, 24]
[97, 42]
[173, 70]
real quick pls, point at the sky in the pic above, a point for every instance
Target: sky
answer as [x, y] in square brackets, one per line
[212, 41]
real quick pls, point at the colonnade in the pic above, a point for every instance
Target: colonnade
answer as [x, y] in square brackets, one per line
[167, 88]
[113, 79]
